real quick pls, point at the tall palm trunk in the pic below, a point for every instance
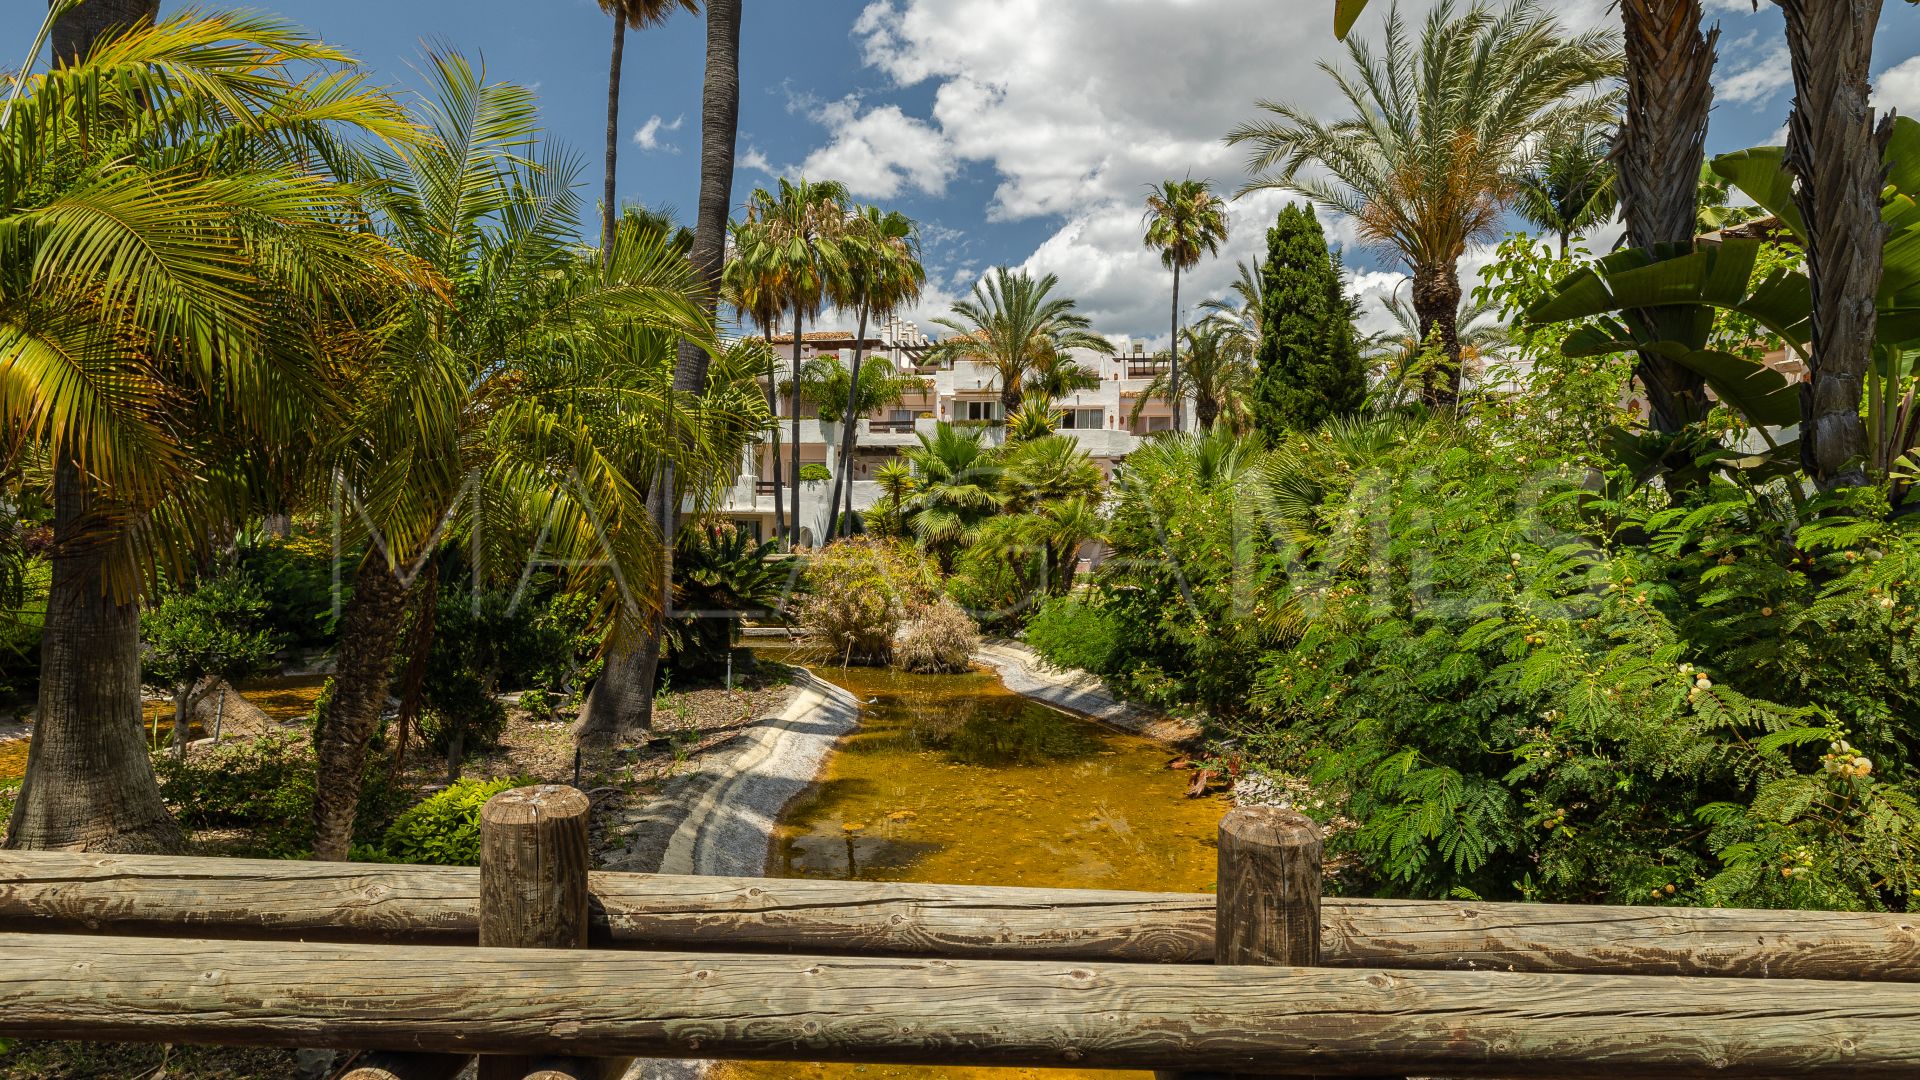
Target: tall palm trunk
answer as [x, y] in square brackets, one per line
[793, 514]
[1833, 151]
[1205, 410]
[849, 436]
[1436, 302]
[779, 484]
[89, 784]
[1173, 376]
[609, 211]
[369, 626]
[75, 32]
[1658, 154]
[622, 697]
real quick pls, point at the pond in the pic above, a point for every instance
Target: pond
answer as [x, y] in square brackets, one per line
[953, 778]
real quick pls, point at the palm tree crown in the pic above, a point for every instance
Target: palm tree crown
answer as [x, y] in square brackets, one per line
[1184, 220]
[1013, 324]
[1426, 162]
[1570, 188]
[1218, 379]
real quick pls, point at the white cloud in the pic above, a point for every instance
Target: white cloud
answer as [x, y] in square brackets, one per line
[753, 158]
[648, 137]
[881, 151]
[1898, 87]
[1758, 82]
[1077, 106]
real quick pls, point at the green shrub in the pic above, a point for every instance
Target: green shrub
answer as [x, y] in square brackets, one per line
[1070, 633]
[296, 578]
[814, 472]
[265, 786]
[444, 828]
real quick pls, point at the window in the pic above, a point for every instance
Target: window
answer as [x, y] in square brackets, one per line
[977, 410]
[1150, 424]
[1082, 419]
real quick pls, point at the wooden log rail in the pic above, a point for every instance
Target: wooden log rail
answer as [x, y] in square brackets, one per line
[354, 902]
[1266, 1020]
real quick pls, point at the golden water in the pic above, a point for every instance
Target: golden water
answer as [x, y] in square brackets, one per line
[284, 698]
[955, 779]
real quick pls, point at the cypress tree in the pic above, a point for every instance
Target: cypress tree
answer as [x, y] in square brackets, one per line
[1309, 366]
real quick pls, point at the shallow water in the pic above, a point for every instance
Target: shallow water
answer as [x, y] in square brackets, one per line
[956, 779]
[284, 698]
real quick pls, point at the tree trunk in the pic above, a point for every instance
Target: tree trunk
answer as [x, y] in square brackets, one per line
[89, 783]
[621, 701]
[779, 485]
[413, 684]
[1657, 159]
[719, 130]
[1206, 411]
[609, 207]
[1833, 151]
[849, 435]
[1173, 372]
[369, 626]
[75, 32]
[794, 401]
[1436, 301]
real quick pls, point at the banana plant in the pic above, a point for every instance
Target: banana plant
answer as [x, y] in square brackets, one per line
[1611, 297]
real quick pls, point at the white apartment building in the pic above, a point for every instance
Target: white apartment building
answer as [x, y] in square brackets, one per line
[1101, 420]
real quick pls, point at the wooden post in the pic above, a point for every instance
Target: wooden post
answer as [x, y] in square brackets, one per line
[533, 895]
[1267, 907]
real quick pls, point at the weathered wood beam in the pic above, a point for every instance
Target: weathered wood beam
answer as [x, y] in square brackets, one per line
[240, 898]
[1268, 1020]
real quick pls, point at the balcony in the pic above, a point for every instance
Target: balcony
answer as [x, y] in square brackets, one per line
[1146, 369]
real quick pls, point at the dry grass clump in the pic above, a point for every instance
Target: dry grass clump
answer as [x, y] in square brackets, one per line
[941, 640]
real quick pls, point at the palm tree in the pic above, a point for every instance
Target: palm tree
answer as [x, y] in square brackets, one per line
[883, 272]
[1835, 154]
[1570, 189]
[1219, 379]
[896, 479]
[638, 15]
[516, 408]
[1425, 164]
[1046, 470]
[1058, 375]
[956, 487]
[754, 292]
[1013, 325]
[1399, 355]
[162, 287]
[1184, 220]
[792, 241]
[81, 25]
[838, 395]
[1242, 311]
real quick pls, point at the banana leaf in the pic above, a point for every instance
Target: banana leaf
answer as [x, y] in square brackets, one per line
[1344, 14]
[1707, 278]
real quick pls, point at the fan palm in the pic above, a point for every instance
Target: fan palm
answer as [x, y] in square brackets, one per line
[1219, 378]
[792, 245]
[637, 15]
[1184, 220]
[882, 273]
[508, 409]
[169, 264]
[956, 487]
[1570, 188]
[1046, 470]
[1425, 164]
[1012, 324]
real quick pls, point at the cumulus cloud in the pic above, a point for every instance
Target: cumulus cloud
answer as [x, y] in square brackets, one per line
[1076, 106]
[648, 137]
[880, 152]
[1898, 87]
[1758, 82]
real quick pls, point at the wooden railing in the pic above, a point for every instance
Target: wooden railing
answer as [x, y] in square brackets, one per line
[1262, 978]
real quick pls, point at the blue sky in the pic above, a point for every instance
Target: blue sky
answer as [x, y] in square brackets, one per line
[1015, 131]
